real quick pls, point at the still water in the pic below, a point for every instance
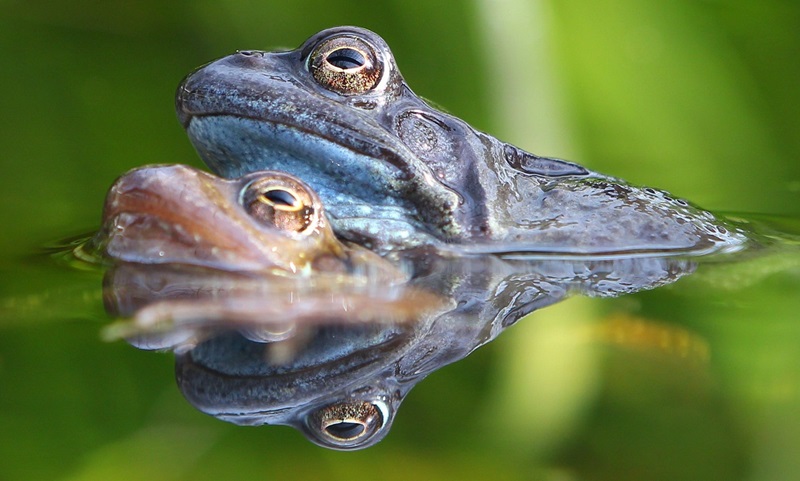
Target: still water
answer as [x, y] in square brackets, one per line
[697, 379]
[576, 384]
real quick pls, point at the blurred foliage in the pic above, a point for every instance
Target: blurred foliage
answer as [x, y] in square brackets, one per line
[699, 97]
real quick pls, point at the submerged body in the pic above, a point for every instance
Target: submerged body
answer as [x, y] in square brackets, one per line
[396, 173]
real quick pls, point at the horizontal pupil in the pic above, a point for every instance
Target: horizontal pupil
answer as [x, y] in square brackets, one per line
[346, 58]
[280, 197]
[345, 430]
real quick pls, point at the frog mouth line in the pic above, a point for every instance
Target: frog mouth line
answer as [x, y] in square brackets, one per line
[387, 155]
[363, 138]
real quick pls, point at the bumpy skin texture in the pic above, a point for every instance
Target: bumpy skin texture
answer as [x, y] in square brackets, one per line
[394, 172]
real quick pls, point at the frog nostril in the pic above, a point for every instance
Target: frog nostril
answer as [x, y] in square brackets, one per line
[250, 53]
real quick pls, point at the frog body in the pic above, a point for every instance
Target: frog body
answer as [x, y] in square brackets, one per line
[394, 172]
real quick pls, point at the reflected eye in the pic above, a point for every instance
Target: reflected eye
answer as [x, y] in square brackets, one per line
[346, 65]
[278, 203]
[348, 425]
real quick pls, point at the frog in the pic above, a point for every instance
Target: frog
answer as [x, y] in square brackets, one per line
[264, 222]
[395, 172]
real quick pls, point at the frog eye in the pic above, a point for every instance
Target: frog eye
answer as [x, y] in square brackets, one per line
[346, 65]
[278, 204]
[347, 425]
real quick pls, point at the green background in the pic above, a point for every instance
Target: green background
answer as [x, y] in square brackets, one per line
[698, 97]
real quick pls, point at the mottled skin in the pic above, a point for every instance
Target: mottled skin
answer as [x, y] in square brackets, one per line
[394, 172]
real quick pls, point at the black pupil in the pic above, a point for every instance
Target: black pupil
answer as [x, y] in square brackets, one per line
[281, 197]
[346, 58]
[345, 430]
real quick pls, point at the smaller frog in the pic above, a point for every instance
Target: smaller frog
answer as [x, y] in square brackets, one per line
[267, 222]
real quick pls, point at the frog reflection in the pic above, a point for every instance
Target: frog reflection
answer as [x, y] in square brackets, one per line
[396, 173]
[343, 380]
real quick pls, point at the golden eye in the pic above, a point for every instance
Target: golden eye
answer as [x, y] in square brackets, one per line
[346, 425]
[346, 65]
[276, 203]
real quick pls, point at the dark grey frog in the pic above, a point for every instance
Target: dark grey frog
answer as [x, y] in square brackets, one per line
[396, 173]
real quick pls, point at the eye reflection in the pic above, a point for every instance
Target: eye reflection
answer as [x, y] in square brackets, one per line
[345, 430]
[346, 425]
